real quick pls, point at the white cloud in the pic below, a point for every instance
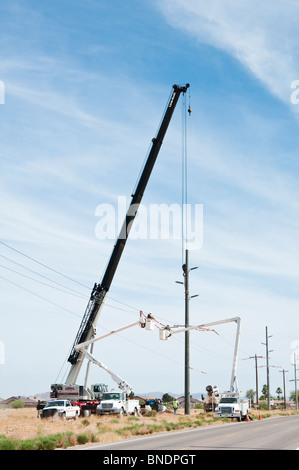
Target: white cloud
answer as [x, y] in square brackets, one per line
[263, 36]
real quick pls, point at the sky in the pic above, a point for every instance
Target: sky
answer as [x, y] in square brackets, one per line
[83, 87]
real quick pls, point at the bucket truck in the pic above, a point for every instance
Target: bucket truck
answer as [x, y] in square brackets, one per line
[87, 328]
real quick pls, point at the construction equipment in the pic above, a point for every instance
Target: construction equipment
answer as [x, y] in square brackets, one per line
[211, 399]
[87, 329]
[214, 397]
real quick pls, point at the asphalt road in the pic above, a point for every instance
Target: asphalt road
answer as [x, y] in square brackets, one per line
[279, 433]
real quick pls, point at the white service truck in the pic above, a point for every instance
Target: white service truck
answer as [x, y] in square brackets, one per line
[60, 408]
[116, 402]
[232, 406]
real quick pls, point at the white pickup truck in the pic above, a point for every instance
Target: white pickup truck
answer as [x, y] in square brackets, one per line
[60, 408]
[116, 402]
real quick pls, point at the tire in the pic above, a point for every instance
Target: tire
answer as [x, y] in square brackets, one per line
[135, 412]
[122, 412]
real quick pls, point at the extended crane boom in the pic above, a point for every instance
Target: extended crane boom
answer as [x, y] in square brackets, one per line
[89, 321]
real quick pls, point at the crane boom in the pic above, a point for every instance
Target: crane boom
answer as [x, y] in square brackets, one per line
[87, 328]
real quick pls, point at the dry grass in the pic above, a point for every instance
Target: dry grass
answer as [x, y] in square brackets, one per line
[23, 424]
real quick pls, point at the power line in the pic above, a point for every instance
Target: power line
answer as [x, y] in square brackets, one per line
[41, 297]
[40, 282]
[44, 265]
[38, 274]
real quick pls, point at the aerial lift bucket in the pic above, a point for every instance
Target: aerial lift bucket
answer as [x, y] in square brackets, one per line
[164, 334]
[149, 324]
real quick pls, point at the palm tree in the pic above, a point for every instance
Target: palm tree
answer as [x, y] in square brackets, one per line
[279, 392]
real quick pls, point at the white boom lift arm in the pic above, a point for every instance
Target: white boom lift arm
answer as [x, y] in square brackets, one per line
[165, 334]
[82, 347]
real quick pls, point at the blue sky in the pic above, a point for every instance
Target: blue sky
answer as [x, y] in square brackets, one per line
[86, 84]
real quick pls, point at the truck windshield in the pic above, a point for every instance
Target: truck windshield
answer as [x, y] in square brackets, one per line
[54, 403]
[228, 400]
[111, 396]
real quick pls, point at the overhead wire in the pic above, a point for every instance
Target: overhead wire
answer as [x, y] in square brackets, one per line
[78, 294]
[44, 265]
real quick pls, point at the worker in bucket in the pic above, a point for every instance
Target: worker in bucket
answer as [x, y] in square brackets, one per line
[175, 405]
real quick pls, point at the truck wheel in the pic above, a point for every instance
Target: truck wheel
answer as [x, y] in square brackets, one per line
[63, 416]
[122, 412]
[135, 412]
[76, 416]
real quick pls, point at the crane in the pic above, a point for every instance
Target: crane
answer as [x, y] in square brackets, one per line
[87, 328]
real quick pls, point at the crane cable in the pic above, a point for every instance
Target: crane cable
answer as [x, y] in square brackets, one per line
[184, 195]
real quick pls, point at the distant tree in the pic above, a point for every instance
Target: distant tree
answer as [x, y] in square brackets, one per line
[250, 394]
[166, 398]
[265, 390]
[293, 395]
[279, 393]
[17, 404]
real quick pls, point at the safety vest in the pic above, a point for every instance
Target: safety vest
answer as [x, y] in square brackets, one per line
[175, 404]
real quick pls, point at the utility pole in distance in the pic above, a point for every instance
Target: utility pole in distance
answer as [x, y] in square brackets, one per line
[295, 380]
[284, 387]
[256, 376]
[267, 357]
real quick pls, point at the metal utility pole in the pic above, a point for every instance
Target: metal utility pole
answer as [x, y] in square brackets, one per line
[284, 387]
[267, 357]
[256, 376]
[187, 333]
[186, 270]
[295, 380]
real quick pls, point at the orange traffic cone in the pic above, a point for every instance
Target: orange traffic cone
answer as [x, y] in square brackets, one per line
[260, 417]
[247, 418]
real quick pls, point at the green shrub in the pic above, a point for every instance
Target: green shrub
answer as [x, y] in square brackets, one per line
[7, 444]
[150, 413]
[50, 442]
[85, 422]
[17, 404]
[82, 438]
[27, 444]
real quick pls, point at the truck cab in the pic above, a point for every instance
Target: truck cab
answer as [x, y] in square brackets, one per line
[116, 402]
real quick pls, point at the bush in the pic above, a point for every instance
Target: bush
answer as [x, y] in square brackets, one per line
[50, 442]
[17, 404]
[7, 444]
[85, 422]
[150, 413]
[263, 405]
[82, 438]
